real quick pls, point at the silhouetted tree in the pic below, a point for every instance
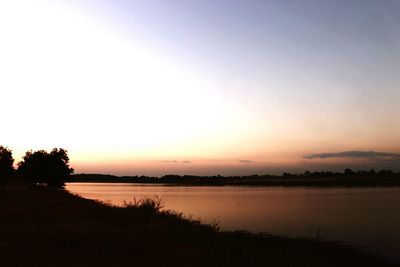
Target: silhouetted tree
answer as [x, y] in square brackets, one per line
[43, 168]
[348, 172]
[6, 164]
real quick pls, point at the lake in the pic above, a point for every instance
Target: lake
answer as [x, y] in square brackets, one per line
[363, 217]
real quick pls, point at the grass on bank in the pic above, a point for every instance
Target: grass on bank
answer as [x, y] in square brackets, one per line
[44, 227]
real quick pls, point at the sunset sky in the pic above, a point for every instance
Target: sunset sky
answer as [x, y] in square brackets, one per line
[203, 87]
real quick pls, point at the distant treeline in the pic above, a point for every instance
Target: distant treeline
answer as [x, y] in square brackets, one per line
[346, 178]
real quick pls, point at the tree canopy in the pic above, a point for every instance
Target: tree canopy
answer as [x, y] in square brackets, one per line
[6, 164]
[43, 168]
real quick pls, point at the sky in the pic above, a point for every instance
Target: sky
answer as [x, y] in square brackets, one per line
[203, 87]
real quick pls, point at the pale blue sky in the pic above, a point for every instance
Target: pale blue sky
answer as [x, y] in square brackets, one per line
[322, 53]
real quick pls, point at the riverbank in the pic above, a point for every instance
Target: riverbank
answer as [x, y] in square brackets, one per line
[42, 227]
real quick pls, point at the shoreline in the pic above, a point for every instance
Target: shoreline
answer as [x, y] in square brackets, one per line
[54, 227]
[339, 180]
[278, 185]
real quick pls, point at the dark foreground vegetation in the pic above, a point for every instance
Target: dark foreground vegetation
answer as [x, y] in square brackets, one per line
[346, 178]
[50, 169]
[51, 227]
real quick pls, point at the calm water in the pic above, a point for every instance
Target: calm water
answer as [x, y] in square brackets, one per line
[367, 217]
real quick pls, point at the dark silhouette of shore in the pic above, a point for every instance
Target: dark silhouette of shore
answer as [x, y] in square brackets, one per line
[346, 178]
[42, 226]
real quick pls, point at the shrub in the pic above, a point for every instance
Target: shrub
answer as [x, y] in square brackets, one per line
[43, 168]
[153, 205]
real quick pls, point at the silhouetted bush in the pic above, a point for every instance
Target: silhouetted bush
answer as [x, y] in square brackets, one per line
[146, 204]
[43, 168]
[6, 165]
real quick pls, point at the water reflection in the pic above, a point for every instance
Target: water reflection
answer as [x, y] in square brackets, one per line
[365, 217]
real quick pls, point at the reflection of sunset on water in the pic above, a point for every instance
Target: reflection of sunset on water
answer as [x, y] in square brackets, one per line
[353, 215]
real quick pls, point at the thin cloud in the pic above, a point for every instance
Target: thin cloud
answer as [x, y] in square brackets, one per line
[168, 161]
[245, 161]
[174, 161]
[370, 155]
